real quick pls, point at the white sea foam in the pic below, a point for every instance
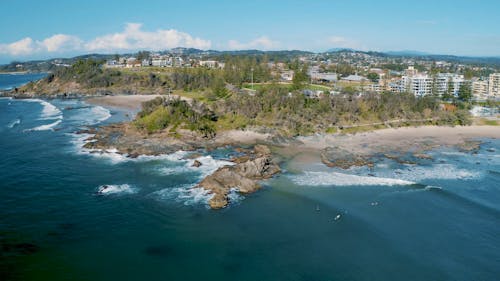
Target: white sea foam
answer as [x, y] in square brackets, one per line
[14, 123]
[45, 127]
[91, 115]
[112, 154]
[311, 178]
[440, 172]
[109, 189]
[190, 195]
[235, 196]
[186, 194]
[49, 110]
[208, 166]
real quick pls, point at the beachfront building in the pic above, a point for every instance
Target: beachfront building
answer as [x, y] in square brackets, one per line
[448, 83]
[422, 84]
[418, 84]
[494, 85]
[480, 89]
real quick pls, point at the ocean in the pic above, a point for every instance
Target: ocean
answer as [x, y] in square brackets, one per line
[438, 220]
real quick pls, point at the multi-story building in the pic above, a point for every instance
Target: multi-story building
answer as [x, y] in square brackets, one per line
[418, 84]
[480, 89]
[448, 83]
[494, 85]
[422, 84]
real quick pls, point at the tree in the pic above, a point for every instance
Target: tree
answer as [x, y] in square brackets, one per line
[465, 92]
[448, 94]
[142, 55]
[300, 77]
[374, 77]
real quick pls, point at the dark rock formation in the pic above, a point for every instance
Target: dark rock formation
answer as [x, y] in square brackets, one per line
[340, 158]
[197, 163]
[243, 176]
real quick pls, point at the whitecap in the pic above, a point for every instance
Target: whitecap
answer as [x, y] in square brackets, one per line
[49, 110]
[208, 165]
[185, 194]
[235, 196]
[311, 178]
[115, 157]
[91, 115]
[45, 127]
[14, 123]
[109, 189]
[100, 114]
[439, 172]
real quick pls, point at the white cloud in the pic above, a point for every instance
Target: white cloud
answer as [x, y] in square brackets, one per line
[61, 43]
[262, 43]
[131, 39]
[22, 47]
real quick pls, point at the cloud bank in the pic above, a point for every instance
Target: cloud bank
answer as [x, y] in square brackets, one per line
[132, 38]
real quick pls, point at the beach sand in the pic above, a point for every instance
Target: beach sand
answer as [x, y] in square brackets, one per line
[132, 102]
[241, 137]
[417, 140]
[400, 139]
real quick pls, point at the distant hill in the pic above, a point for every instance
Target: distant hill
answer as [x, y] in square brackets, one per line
[282, 55]
[406, 53]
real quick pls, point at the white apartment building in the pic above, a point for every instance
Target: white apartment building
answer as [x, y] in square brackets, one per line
[494, 85]
[419, 84]
[422, 84]
[161, 61]
[480, 89]
[449, 82]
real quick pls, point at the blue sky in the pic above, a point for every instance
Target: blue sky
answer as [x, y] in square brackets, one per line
[32, 29]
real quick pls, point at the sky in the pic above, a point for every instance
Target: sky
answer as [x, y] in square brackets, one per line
[34, 29]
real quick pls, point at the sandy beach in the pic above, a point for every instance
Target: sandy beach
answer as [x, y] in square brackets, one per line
[407, 138]
[416, 140]
[132, 102]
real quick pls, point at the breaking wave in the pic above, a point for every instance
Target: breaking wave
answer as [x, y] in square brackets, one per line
[109, 189]
[91, 115]
[311, 178]
[45, 127]
[49, 110]
[208, 166]
[190, 195]
[14, 123]
[438, 172]
[186, 194]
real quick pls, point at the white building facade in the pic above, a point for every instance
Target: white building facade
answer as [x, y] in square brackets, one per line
[494, 85]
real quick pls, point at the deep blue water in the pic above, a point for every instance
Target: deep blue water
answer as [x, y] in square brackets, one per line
[439, 220]
[9, 81]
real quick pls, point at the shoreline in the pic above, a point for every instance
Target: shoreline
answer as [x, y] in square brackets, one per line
[128, 102]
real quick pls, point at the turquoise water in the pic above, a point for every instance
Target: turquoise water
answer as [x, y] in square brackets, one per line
[439, 220]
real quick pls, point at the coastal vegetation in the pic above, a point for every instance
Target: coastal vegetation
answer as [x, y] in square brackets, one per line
[217, 100]
[293, 114]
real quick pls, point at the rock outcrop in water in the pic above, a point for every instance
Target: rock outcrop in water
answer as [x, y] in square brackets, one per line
[243, 176]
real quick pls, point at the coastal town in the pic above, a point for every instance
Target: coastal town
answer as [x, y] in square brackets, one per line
[359, 71]
[250, 140]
